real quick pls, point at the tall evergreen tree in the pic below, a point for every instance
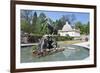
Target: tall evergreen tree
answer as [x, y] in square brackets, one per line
[34, 22]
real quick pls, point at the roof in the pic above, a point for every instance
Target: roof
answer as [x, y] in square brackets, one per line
[67, 27]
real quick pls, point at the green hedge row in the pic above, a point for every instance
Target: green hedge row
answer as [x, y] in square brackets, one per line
[33, 39]
[64, 38]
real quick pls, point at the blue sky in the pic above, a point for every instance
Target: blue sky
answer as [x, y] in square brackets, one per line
[55, 15]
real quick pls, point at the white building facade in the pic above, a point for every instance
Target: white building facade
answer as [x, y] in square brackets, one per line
[68, 31]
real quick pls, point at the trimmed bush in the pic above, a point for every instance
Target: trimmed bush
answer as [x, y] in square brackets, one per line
[64, 38]
[34, 47]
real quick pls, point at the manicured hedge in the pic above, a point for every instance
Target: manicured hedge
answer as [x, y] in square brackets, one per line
[35, 38]
[64, 38]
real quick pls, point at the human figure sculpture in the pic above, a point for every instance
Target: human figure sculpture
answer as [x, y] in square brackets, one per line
[46, 43]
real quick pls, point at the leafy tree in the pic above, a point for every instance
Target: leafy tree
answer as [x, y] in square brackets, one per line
[78, 25]
[25, 26]
[84, 28]
[38, 24]
[43, 23]
[69, 18]
[26, 17]
[62, 21]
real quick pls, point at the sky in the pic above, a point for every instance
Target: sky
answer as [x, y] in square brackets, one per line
[55, 15]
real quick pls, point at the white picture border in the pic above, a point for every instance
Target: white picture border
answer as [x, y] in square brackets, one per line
[58, 63]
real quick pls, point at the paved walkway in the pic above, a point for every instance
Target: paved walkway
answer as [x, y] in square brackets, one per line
[29, 44]
[84, 44]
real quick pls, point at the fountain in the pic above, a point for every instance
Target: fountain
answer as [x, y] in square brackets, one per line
[47, 44]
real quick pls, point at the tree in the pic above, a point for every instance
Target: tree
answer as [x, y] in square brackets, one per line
[26, 17]
[62, 21]
[43, 23]
[84, 28]
[34, 22]
[42, 15]
[25, 26]
[78, 25]
[69, 18]
[88, 28]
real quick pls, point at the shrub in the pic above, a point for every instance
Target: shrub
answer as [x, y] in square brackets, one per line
[64, 38]
[34, 47]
